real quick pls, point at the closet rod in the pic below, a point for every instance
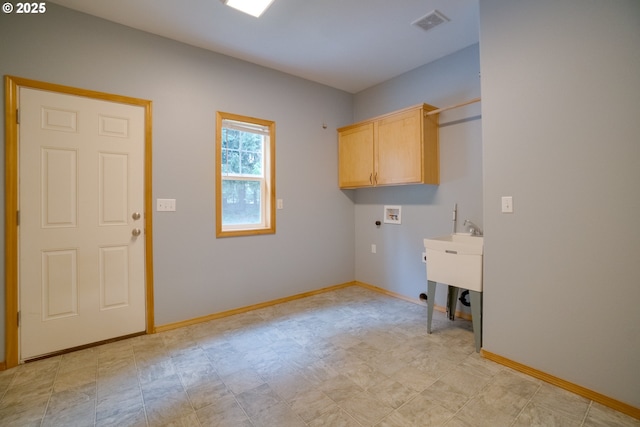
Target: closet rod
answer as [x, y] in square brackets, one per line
[439, 110]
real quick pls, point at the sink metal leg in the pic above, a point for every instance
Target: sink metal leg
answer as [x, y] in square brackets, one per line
[452, 301]
[476, 314]
[431, 296]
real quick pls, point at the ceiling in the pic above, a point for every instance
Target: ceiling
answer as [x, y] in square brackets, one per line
[346, 44]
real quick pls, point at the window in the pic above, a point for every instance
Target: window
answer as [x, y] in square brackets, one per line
[245, 175]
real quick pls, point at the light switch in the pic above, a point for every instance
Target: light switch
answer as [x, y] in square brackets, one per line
[507, 204]
[166, 205]
[279, 204]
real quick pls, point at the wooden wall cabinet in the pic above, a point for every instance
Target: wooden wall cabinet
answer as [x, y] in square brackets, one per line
[394, 149]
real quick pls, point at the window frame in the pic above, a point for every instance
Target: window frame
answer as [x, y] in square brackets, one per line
[268, 225]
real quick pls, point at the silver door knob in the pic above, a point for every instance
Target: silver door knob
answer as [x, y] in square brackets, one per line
[136, 232]
[136, 215]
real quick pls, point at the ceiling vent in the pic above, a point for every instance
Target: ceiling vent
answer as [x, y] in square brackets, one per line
[430, 20]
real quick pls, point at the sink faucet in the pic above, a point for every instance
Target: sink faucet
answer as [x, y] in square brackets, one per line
[473, 229]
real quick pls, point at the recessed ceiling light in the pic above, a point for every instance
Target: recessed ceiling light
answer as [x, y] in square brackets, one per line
[250, 7]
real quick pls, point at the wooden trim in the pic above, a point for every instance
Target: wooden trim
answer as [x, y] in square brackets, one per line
[451, 107]
[3, 366]
[388, 293]
[460, 314]
[11, 222]
[573, 388]
[148, 208]
[202, 319]
[11, 201]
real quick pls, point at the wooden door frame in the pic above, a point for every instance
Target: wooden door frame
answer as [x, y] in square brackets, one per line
[11, 85]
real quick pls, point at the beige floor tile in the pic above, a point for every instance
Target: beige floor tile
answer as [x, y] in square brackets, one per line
[392, 393]
[350, 358]
[363, 375]
[479, 413]
[23, 412]
[339, 388]
[413, 378]
[189, 420]
[75, 378]
[365, 408]
[289, 385]
[602, 416]
[207, 392]
[560, 401]
[168, 409]
[243, 380]
[538, 415]
[87, 358]
[225, 412]
[133, 416]
[279, 415]
[258, 400]
[334, 417]
[310, 404]
[420, 411]
[507, 393]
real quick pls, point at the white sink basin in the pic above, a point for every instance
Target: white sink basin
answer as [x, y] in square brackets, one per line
[456, 260]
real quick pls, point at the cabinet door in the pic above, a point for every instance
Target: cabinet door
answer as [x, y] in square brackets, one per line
[399, 150]
[355, 156]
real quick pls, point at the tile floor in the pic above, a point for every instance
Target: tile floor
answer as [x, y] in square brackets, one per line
[350, 357]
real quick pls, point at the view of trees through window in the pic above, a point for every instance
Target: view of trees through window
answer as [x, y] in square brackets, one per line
[242, 169]
[245, 175]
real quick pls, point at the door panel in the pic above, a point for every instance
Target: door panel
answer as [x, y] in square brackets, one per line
[81, 174]
[59, 185]
[355, 154]
[114, 277]
[113, 189]
[59, 284]
[400, 149]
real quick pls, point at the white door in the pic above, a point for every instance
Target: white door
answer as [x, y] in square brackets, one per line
[81, 198]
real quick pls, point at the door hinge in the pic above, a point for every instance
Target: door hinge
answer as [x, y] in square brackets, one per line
[17, 115]
[18, 319]
[17, 217]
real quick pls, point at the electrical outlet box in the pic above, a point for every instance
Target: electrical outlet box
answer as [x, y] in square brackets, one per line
[393, 214]
[507, 204]
[166, 205]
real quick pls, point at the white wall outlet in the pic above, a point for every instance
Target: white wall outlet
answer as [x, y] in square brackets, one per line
[373, 248]
[507, 204]
[166, 205]
[279, 204]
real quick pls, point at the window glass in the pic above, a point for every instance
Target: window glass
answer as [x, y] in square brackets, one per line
[245, 181]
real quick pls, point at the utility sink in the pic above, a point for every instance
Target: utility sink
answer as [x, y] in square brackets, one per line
[455, 260]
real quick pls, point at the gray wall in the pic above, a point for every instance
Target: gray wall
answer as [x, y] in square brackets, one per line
[195, 273]
[561, 129]
[426, 209]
